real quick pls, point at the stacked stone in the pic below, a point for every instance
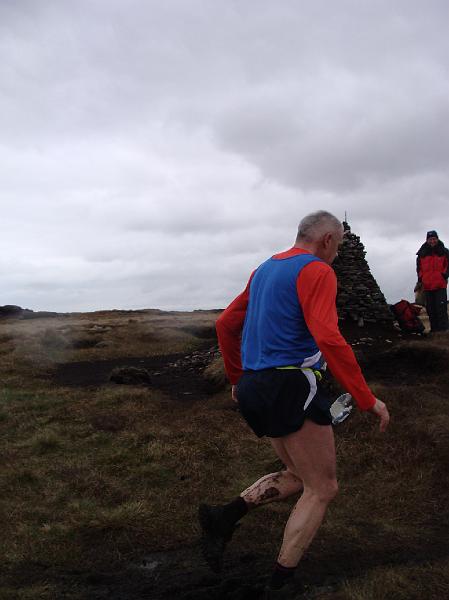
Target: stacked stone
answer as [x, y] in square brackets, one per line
[358, 297]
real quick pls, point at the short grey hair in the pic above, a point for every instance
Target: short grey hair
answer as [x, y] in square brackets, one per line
[312, 227]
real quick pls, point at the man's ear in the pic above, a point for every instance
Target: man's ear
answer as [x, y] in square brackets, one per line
[327, 238]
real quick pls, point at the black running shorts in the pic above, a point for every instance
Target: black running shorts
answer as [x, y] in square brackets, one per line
[272, 401]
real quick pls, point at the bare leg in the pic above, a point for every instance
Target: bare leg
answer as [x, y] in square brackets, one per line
[312, 451]
[272, 487]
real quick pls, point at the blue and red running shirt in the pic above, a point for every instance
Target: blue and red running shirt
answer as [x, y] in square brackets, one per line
[306, 323]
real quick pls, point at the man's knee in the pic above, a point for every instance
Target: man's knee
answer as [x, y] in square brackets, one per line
[324, 491]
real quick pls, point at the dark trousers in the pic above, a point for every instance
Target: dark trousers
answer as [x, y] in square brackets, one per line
[436, 306]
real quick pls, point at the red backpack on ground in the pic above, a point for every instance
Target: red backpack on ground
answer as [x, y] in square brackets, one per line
[406, 315]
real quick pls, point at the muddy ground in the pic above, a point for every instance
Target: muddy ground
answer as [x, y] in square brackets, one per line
[400, 365]
[180, 572]
[178, 375]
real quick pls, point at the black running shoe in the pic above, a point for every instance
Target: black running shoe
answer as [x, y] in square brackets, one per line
[215, 534]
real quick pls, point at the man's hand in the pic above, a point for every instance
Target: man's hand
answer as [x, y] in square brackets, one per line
[380, 410]
[234, 393]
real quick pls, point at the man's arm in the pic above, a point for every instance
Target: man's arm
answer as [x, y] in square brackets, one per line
[317, 290]
[229, 331]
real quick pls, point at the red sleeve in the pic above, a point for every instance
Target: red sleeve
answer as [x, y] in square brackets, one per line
[229, 331]
[317, 291]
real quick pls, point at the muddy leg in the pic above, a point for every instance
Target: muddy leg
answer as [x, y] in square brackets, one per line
[272, 487]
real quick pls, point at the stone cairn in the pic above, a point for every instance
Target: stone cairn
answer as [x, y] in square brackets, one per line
[358, 297]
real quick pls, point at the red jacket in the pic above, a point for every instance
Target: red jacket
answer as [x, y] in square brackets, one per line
[432, 266]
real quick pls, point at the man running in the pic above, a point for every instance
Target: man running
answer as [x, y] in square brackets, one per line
[272, 338]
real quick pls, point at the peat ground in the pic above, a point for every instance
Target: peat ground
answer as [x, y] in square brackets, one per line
[101, 482]
[178, 375]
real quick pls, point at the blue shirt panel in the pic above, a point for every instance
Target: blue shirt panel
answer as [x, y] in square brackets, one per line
[275, 333]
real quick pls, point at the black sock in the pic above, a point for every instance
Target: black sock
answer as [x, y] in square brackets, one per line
[235, 510]
[280, 576]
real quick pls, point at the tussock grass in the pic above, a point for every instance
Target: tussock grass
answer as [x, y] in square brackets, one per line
[215, 373]
[45, 441]
[32, 592]
[429, 580]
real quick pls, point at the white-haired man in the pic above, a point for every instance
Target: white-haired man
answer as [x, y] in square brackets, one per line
[272, 338]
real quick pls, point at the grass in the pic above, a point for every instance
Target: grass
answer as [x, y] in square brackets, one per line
[429, 580]
[94, 479]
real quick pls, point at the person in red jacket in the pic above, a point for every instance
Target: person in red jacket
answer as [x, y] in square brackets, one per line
[272, 337]
[432, 266]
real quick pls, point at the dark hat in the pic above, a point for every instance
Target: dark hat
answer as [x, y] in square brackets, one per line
[432, 233]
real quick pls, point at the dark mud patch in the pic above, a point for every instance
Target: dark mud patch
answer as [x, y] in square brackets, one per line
[406, 365]
[130, 376]
[179, 574]
[179, 375]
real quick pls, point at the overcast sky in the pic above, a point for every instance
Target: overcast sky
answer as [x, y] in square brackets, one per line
[152, 153]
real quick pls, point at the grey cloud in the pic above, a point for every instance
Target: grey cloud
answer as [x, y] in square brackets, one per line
[374, 132]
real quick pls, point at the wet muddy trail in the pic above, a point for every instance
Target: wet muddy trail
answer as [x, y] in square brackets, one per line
[177, 375]
[180, 574]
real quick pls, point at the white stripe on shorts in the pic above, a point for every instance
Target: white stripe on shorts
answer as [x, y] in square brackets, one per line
[313, 386]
